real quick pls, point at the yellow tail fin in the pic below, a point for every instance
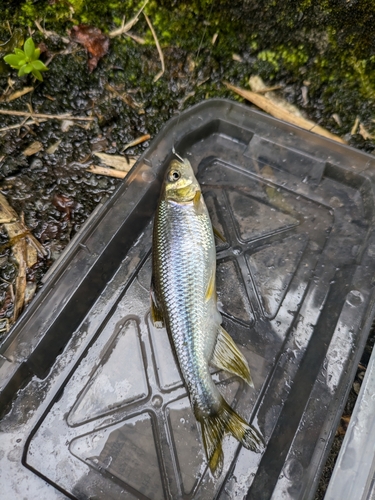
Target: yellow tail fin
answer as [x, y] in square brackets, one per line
[225, 421]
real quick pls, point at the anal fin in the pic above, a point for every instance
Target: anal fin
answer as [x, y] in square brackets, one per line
[228, 357]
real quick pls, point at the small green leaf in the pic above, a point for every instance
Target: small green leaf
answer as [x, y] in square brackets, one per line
[28, 68]
[39, 65]
[19, 52]
[22, 70]
[13, 60]
[29, 47]
[37, 74]
[36, 55]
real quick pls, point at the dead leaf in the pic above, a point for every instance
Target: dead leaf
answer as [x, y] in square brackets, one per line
[337, 119]
[66, 124]
[117, 162]
[19, 253]
[33, 148]
[237, 58]
[355, 126]
[94, 41]
[53, 147]
[365, 133]
[64, 204]
[282, 114]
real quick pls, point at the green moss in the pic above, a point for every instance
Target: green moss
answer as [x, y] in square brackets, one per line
[328, 44]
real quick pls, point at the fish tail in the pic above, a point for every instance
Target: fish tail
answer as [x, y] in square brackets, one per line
[225, 421]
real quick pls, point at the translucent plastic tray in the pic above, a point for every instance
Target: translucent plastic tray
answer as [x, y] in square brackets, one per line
[354, 473]
[93, 403]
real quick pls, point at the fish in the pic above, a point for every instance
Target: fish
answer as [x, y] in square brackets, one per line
[184, 301]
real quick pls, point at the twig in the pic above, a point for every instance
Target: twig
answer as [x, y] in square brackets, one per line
[19, 93]
[24, 123]
[126, 27]
[136, 38]
[110, 172]
[49, 34]
[141, 139]
[48, 117]
[126, 99]
[158, 47]
[282, 114]
[355, 126]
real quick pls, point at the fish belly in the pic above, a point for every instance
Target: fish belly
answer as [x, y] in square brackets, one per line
[184, 262]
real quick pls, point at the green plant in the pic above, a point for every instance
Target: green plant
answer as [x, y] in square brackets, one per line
[27, 60]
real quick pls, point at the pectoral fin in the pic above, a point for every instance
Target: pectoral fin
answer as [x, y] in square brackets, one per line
[227, 357]
[155, 310]
[218, 234]
[210, 287]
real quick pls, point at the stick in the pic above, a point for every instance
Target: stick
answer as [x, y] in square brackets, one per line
[110, 172]
[22, 124]
[141, 139]
[126, 27]
[48, 117]
[158, 47]
[282, 114]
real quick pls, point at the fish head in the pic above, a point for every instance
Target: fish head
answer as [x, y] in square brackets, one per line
[180, 184]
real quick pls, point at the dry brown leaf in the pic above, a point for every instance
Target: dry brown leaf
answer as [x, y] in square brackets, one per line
[7, 214]
[355, 126]
[53, 147]
[94, 41]
[19, 253]
[282, 114]
[365, 133]
[117, 162]
[237, 58]
[33, 148]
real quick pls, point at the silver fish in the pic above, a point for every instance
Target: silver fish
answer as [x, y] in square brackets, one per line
[183, 299]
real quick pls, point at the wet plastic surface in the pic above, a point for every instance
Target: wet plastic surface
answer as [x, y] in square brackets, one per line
[354, 472]
[98, 408]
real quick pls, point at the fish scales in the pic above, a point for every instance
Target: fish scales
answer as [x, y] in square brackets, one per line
[184, 246]
[183, 299]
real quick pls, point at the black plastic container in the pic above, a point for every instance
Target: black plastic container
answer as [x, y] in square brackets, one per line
[93, 403]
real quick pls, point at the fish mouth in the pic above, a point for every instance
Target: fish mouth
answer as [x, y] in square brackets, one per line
[183, 194]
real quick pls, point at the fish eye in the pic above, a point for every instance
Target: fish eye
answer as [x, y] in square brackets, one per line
[174, 175]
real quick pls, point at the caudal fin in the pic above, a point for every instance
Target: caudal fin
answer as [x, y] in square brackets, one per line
[216, 426]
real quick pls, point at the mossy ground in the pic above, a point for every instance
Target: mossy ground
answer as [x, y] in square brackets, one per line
[325, 48]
